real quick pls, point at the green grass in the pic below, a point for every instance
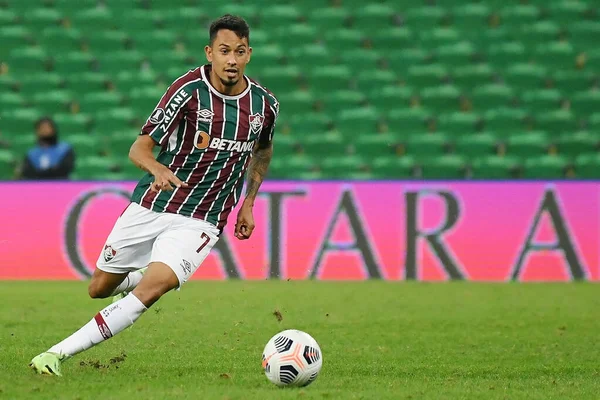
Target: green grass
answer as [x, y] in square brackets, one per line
[379, 340]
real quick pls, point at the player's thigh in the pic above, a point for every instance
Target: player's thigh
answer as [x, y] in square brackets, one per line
[129, 244]
[184, 248]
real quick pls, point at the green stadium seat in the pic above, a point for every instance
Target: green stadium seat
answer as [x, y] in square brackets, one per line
[114, 120]
[95, 19]
[471, 18]
[393, 167]
[53, 102]
[492, 97]
[361, 59]
[280, 15]
[374, 145]
[566, 12]
[504, 120]
[539, 32]
[527, 144]
[18, 121]
[27, 60]
[382, 97]
[455, 54]
[541, 100]
[426, 75]
[85, 145]
[72, 63]
[7, 17]
[297, 101]
[94, 101]
[407, 120]
[13, 37]
[341, 167]
[7, 164]
[588, 166]
[344, 39]
[330, 77]
[392, 38]
[327, 144]
[72, 124]
[374, 14]
[401, 60]
[556, 55]
[441, 98]
[339, 100]
[425, 17]
[584, 34]
[8, 84]
[495, 167]
[121, 61]
[594, 122]
[545, 167]
[504, 54]
[10, 100]
[279, 79]
[361, 119]
[422, 144]
[557, 122]
[328, 18]
[107, 42]
[476, 145]
[40, 18]
[311, 123]
[459, 123]
[439, 37]
[367, 79]
[526, 76]
[515, 16]
[572, 144]
[571, 82]
[449, 166]
[585, 103]
[295, 34]
[469, 77]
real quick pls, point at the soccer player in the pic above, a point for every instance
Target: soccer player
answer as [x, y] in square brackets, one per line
[214, 125]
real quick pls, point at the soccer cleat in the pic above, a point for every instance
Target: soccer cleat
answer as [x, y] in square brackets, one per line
[119, 296]
[47, 364]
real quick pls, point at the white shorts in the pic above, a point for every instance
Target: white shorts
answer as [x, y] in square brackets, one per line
[141, 236]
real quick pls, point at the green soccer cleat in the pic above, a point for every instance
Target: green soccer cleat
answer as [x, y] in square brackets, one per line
[119, 296]
[47, 363]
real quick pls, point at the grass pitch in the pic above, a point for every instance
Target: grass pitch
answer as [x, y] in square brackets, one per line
[380, 340]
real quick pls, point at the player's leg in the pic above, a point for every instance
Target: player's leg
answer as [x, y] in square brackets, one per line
[176, 255]
[127, 250]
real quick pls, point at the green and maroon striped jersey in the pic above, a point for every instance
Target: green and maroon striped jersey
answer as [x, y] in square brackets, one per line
[206, 139]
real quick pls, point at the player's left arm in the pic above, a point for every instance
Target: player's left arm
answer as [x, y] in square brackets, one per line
[257, 171]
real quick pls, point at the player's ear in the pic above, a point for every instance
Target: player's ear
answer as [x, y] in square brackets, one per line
[208, 52]
[249, 54]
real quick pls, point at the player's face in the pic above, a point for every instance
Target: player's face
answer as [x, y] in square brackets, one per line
[229, 55]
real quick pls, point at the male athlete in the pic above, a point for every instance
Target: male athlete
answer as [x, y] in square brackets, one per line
[213, 124]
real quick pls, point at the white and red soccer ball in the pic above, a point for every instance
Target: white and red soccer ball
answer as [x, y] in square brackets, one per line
[292, 358]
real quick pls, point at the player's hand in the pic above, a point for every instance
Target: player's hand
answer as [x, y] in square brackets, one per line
[164, 178]
[245, 223]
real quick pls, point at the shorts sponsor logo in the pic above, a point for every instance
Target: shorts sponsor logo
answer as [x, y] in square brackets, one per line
[256, 122]
[158, 116]
[201, 140]
[186, 266]
[232, 145]
[205, 115]
[109, 253]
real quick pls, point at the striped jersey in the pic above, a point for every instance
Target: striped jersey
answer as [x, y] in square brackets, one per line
[207, 139]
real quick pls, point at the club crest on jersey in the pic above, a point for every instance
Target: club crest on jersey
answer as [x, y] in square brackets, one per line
[205, 115]
[256, 122]
[109, 253]
[157, 116]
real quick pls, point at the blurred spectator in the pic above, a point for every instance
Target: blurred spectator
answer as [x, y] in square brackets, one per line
[50, 159]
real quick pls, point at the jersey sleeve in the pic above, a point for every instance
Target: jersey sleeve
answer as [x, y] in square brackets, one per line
[271, 114]
[169, 111]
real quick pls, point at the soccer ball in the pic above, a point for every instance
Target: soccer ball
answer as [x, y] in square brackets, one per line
[292, 358]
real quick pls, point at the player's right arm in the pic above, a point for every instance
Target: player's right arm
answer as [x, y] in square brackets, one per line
[141, 155]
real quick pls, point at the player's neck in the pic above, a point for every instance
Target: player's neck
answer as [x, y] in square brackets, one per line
[234, 90]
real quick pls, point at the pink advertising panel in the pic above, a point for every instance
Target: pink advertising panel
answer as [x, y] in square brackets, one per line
[431, 231]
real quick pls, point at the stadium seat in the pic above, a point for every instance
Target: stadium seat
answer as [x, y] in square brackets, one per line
[495, 167]
[449, 166]
[541, 100]
[526, 144]
[557, 122]
[459, 123]
[573, 144]
[393, 167]
[587, 165]
[545, 167]
[469, 77]
[422, 144]
[476, 145]
[491, 97]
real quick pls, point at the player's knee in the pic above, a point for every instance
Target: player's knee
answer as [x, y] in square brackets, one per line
[97, 292]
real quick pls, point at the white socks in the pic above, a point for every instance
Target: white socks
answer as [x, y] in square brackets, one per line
[107, 323]
[129, 283]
